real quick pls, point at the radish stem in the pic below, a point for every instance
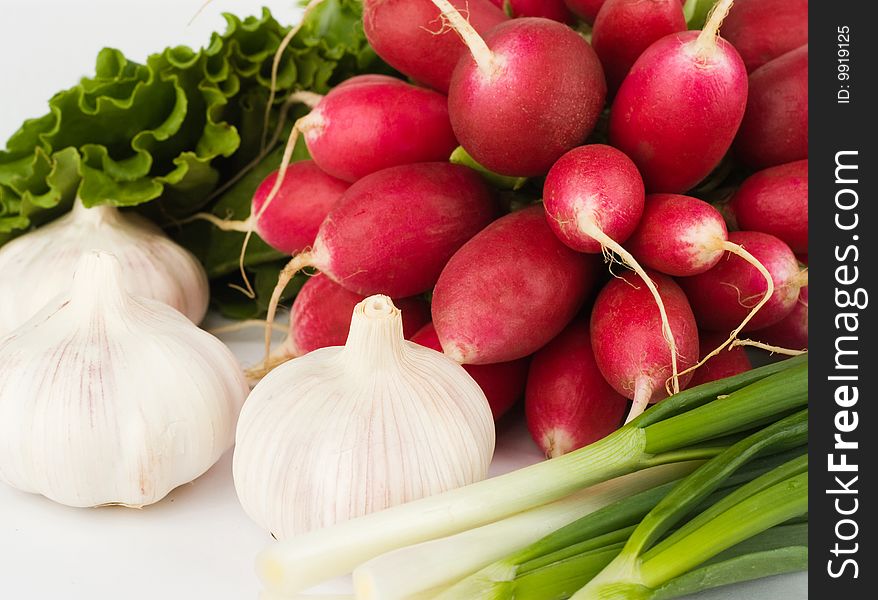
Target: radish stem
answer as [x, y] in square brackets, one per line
[705, 44]
[478, 48]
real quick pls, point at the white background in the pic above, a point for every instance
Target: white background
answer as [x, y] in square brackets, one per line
[197, 543]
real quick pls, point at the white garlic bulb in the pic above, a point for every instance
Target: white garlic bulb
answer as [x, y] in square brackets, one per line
[107, 398]
[37, 266]
[348, 430]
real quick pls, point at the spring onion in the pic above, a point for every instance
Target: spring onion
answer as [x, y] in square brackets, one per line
[431, 565]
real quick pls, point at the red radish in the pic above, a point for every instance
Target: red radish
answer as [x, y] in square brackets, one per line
[684, 236]
[724, 295]
[761, 30]
[304, 199]
[593, 198]
[290, 223]
[775, 201]
[677, 111]
[625, 28]
[409, 36]
[725, 364]
[549, 9]
[321, 317]
[568, 402]
[586, 10]
[626, 335]
[372, 123]
[531, 90]
[503, 383]
[509, 290]
[775, 127]
[792, 331]
[393, 231]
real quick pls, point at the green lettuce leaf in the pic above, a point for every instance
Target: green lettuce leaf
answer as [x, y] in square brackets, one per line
[164, 135]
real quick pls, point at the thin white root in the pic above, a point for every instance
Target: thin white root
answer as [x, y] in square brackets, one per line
[275, 66]
[198, 12]
[769, 291]
[705, 44]
[309, 99]
[769, 347]
[278, 182]
[590, 228]
[298, 262]
[245, 324]
[478, 48]
[222, 224]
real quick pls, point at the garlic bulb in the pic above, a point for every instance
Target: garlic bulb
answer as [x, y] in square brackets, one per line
[107, 398]
[348, 430]
[38, 265]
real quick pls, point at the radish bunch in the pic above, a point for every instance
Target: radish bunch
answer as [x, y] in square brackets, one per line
[624, 283]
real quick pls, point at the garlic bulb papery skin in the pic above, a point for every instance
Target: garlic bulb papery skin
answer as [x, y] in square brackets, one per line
[38, 265]
[107, 398]
[349, 430]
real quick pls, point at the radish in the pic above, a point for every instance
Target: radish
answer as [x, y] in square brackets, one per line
[792, 330]
[532, 90]
[373, 122]
[303, 201]
[677, 111]
[321, 315]
[568, 402]
[393, 231]
[509, 290]
[409, 36]
[586, 10]
[623, 29]
[775, 201]
[775, 127]
[626, 336]
[719, 366]
[549, 9]
[593, 198]
[724, 295]
[503, 383]
[762, 30]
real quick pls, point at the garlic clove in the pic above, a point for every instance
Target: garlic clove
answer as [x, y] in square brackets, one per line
[348, 430]
[108, 398]
[38, 265]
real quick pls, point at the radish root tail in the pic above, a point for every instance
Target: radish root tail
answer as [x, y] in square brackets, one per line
[591, 229]
[281, 175]
[478, 48]
[275, 66]
[769, 347]
[769, 291]
[642, 394]
[298, 262]
[221, 224]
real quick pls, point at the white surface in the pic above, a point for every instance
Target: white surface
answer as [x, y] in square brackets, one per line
[197, 543]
